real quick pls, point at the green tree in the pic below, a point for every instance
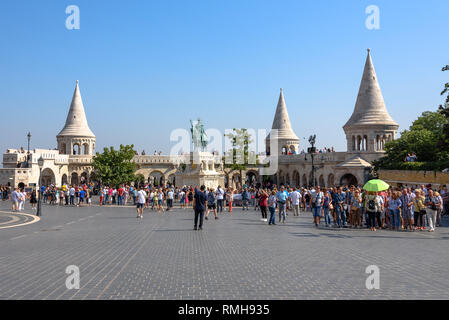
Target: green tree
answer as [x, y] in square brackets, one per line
[114, 167]
[241, 140]
[421, 138]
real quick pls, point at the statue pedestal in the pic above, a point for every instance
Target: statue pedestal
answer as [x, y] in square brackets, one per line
[199, 169]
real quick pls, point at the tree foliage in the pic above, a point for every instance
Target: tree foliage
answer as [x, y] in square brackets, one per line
[428, 137]
[241, 140]
[115, 167]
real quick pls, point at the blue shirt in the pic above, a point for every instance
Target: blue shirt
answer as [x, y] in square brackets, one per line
[282, 196]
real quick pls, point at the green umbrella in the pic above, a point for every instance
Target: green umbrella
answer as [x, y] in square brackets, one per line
[376, 185]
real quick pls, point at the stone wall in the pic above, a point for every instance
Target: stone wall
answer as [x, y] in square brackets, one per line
[414, 178]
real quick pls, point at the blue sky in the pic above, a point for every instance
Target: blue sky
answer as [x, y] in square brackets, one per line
[147, 67]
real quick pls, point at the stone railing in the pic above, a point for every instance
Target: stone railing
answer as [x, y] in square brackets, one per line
[318, 157]
[83, 159]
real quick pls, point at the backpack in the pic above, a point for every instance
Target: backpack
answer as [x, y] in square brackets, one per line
[371, 205]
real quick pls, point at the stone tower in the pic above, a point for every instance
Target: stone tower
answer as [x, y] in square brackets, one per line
[76, 138]
[370, 125]
[287, 139]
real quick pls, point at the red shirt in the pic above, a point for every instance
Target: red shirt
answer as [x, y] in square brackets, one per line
[263, 200]
[120, 191]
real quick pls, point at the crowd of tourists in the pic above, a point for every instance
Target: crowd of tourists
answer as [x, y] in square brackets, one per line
[339, 207]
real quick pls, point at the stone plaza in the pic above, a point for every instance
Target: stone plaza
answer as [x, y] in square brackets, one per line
[235, 257]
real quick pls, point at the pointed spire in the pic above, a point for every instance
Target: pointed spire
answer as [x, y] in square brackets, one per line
[76, 122]
[370, 107]
[281, 121]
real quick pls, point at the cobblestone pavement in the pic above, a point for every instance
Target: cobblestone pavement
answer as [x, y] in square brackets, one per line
[235, 257]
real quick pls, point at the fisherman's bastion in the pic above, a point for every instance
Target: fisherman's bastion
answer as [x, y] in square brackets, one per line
[367, 130]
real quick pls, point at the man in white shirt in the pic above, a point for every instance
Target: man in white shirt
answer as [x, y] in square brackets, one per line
[170, 195]
[141, 198]
[220, 196]
[72, 196]
[295, 198]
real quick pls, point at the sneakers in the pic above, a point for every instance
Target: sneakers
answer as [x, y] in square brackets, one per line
[195, 228]
[216, 218]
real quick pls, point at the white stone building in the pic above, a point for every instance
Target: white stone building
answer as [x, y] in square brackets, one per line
[367, 131]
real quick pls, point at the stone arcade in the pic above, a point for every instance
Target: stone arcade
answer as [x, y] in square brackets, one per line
[367, 131]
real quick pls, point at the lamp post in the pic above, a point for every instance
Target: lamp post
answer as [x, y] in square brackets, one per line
[28, 154]
[40, 162]
[312, 151]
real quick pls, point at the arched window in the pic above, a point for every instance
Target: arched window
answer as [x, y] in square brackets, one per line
[76, 149]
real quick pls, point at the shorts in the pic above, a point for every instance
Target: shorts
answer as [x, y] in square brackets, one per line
[316, 211]
[159, 202]
[407, 214]
[140, 205]
[211, 206]
[382, 215]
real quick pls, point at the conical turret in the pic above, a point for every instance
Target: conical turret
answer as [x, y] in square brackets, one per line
[370, 125]
[76, 138]
[76, 122]
[287, 139]
[370, 106]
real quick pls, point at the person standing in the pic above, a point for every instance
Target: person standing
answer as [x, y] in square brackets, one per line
[355, 208]
[15, 200]
[295, 199]
[230, 198]
[431, 203]
[141, 198]
[199, 206]
[338, 200]
[245, 199]
[281, 199]
[160, 199]
[211, 203]
[372, 206]
[21, 199]
[33, 199]
[327, 206]
[170, 197]
[439, 208]
[272, 207]
[220, 197]
[317, 198]
[406, 209]
[101, 196]
[418, 204]
[72, 196]
[262, 198]
[394, 203]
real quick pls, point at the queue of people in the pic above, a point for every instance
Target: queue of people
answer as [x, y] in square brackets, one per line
[340, 207]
